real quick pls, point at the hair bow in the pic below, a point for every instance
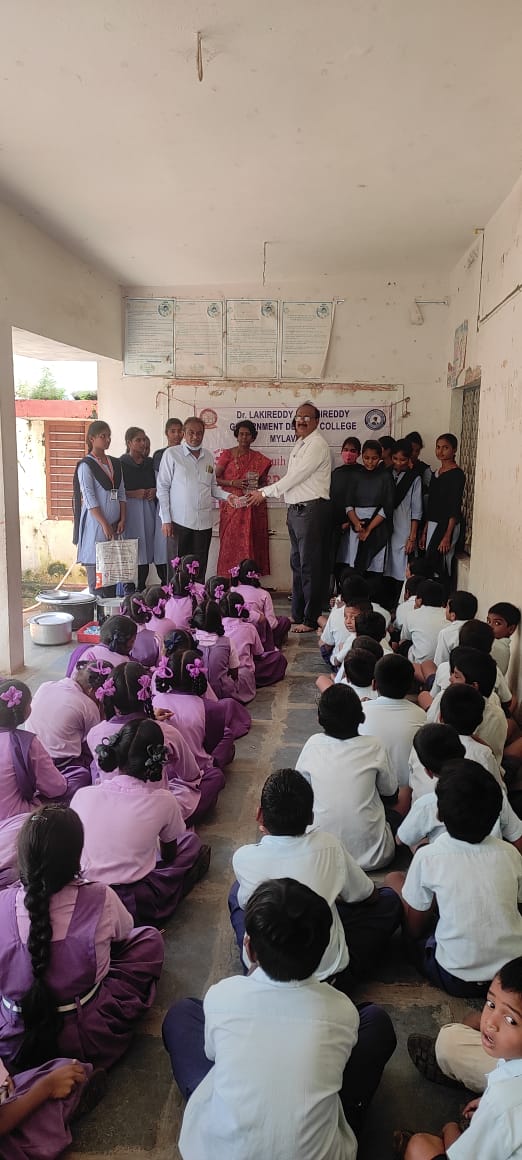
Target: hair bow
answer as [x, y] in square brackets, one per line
[175, 563]
[168, 589]
[158, 608]
[253, 575]
[193, 568]
[100, 667]
[234, 571]
[191, 588]
[144, 691]
[140, 604]
[162, 668]
[12, 697]
[219, 592]
[196, 669]
[108, 689]
[156, 755]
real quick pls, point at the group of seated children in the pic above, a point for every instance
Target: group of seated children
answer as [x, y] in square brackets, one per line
[104, 775]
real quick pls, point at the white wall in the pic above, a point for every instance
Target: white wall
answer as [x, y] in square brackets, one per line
[42, 540]
[495, 567]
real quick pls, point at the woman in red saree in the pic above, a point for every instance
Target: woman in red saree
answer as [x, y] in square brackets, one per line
[243, 532]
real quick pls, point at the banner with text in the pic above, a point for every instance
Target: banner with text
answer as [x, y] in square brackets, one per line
[276, 437]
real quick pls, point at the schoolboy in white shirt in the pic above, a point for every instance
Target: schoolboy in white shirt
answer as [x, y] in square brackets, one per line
[391, 717]
[425, 622]
[495, 1120]
[478, 670]
[433, 745]
[319, 860]
[462, 706]
[423, 823]
[460, 607]
[478, 635]
[276, 1064]
[350, 775]
[476, 881]
[359, 671]
[504, 619]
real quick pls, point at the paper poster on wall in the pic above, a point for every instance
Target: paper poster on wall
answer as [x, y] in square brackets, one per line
[276, 438]
[149, 336]
[251, 339]
[198, 338]
[307, 327]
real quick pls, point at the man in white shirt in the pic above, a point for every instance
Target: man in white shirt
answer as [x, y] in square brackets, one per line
[391, 717]
[276, 1064]
[319, 860]
[185, 489]
[306, 491]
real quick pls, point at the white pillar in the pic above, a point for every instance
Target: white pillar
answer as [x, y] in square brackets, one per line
[11, 621]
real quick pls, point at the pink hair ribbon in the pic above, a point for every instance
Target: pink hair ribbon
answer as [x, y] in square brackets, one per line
[108, 689]
[253, 576]
[196, 669]
[12, 697]
[162, 669]
[219, 592]
[193, 568]
[145, 684]
[175, 562]
[234, 571]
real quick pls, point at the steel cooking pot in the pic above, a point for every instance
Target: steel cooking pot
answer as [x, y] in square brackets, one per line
[51, 628]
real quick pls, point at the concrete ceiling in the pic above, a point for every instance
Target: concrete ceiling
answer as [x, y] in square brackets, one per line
[323, 138]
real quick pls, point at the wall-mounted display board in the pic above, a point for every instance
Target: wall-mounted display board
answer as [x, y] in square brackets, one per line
[246, 339]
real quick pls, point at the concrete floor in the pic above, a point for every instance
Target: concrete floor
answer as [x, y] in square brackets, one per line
[140, 1116]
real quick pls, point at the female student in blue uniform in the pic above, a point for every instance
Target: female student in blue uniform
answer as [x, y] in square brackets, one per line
[139, 479]
[99, 501]
[407, 513]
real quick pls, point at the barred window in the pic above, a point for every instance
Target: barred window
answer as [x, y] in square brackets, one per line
[64, 446]
[468, 455]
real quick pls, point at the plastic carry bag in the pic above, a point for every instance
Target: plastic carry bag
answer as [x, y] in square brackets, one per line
[116, 562]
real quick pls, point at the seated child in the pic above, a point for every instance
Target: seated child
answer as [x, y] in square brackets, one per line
[38, 1106]
[155, 598]
[348, 775]
[75, 974]
[128, 697]
[478, 635]
[319, 860]
[425, 622]
[391, 717]
[245, 1057]
[359, 671]
[335, 630]
[460, 607]
[423, 823]
[273, 630]
[179, 687]
[492, 1058]
[126, 818]
[246, 639]
[146, 647]
[476, 881]
[367, 623]
[219, 654]
[226, 719]
[504, 619]
[400, 630]
[117, 637]
[351, 611]
[433, 745]
[360, 644]
[63, 712]
[27, 772]
[462, 706]
[468, 666]
[181, 597]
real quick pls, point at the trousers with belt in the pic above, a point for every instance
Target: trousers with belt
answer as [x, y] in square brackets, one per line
[308, 526]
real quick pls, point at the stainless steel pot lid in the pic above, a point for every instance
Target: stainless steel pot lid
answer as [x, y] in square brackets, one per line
[50, 597]
[52, 618]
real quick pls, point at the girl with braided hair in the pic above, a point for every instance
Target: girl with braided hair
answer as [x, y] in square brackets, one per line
[130, 699]
[180, 685]
[28, 774]
[117, 639]
[75, 975]
[257, 668]
[273, 630]
[125, 855]
[219, 653]
[146, 647]
[155, 599]
[226, 719]
[63, 712]
[183, 593]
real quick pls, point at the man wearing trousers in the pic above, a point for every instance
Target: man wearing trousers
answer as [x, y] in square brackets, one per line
[185, 489]
[306, 491]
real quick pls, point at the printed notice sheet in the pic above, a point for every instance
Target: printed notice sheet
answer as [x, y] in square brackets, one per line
[199, 339]
[149, 336]
[252, 339]
[307, 327]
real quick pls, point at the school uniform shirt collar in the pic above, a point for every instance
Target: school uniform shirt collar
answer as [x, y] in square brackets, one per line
[505, 1069]
[187, 450]
[260, 976]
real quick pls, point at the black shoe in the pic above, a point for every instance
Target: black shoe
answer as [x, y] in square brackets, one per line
[198, 870]
[421, 1050]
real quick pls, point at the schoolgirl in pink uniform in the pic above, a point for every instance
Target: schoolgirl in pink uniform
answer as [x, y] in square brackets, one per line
[63, 712]
[155, 599]
[39, 1105]
[76, 975]
[128, 697]
[260, 668]
[181, 599]
[273, 630]
[146, 647]
[225, 719]
[117, 639]
[125, 819]
[179, 687]
[28, 774]
[219, 653]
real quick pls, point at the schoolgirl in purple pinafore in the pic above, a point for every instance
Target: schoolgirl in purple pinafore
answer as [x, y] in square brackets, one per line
[146, 647]
[28, 774]
[130, 699]
[272, 629]
[63, 712]
[125, 855]
[179, 687]
[100, 974]
[43, 1132]
[245, 636]
[117, 637]
[225, 719]
[219, 657]
[155, 598]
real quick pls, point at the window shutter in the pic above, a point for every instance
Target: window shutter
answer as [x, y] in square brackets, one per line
[64, 447]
